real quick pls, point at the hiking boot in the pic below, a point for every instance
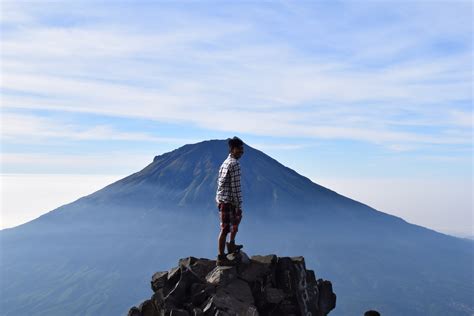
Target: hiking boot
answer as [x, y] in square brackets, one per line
[233, 247]
[222, 260]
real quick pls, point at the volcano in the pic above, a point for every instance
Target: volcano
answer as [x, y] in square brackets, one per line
[95, 255]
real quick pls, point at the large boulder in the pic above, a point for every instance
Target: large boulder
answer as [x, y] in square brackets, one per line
[260, 285]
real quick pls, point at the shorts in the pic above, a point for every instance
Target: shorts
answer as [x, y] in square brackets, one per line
[230, 217]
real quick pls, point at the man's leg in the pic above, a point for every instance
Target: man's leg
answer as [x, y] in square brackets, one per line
[225, 228]
[236, 218]
[221, 241]
[222, 259]
[235, 221]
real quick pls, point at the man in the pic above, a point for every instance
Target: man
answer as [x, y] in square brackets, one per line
[229, 200]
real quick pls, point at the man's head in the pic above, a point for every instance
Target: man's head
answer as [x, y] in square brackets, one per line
[371, 313]
[236, 147]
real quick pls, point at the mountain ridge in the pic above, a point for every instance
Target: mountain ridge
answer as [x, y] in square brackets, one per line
[109, 242]
[163, 158]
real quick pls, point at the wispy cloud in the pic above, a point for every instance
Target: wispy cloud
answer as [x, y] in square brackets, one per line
[370, 81]
[34, 128]
[103, 163]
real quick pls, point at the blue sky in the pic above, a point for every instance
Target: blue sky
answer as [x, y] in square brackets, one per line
[337, 90]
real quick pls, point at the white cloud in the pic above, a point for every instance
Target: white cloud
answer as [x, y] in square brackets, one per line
[279, 146]
[30, 128]
[462, 118]
[195, 73]
[112, 162]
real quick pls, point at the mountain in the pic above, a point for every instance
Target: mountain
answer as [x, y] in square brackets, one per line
[94, 256]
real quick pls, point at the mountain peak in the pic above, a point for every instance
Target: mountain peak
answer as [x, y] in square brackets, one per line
[112, 240]
[187, 177]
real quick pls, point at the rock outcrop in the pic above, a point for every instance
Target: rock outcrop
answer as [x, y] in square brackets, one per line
[261, 285]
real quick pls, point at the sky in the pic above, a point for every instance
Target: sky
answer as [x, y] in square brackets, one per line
[372, 99]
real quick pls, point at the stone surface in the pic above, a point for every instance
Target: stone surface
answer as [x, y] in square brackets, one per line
[158, 280]
[134, 311]
[244, 258]
[254, 271]
[183, 286]
[239, 290]
[147, 308]
[202, 267]
[221, 275]
[260, 285]
[269, 259]
[273, 295]
[197, 311]
[179, 312]
[200, 292]
[327, 298]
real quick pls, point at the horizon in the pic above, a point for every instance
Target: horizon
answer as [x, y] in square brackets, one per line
[73, 186]
[373, 100]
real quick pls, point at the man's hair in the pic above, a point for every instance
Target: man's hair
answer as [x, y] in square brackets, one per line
[235, 142]
[371, 313]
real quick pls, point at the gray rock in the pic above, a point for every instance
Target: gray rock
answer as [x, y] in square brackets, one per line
[311, 277]
[269, 259]
[239, 290]
[183, 286]
[285, 275]
[263, 285]
[288, 307]
[134, 311]
[158, 299]
[211, 307]
[306, 295]
[187, 262]
[224, 304]
[201, 292]
[158, 280]
[174, 273]
[202, 267]
[221, 275]
[254, 271]
[197, 312]
[327, 298]
[298, 260]
[273, 295]
[236, 257]
[147, 308]
[178, 312]
[244, 258]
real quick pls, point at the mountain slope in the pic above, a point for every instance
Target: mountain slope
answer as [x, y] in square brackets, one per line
[91, 256]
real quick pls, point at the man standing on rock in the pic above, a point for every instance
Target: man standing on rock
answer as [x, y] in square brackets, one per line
[229, 200]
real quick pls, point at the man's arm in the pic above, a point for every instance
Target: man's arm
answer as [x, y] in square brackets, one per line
[235, 185]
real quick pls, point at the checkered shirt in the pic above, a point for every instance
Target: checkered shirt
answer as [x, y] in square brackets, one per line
[228, 183]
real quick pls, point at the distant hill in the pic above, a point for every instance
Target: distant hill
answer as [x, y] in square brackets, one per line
[94, 256]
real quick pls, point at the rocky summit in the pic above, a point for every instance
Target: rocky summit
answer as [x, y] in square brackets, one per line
[260, 285]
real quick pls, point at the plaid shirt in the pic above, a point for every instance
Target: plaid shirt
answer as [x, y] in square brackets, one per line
[228, 183]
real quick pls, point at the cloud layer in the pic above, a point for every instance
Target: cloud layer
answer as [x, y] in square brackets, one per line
[279, 70]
